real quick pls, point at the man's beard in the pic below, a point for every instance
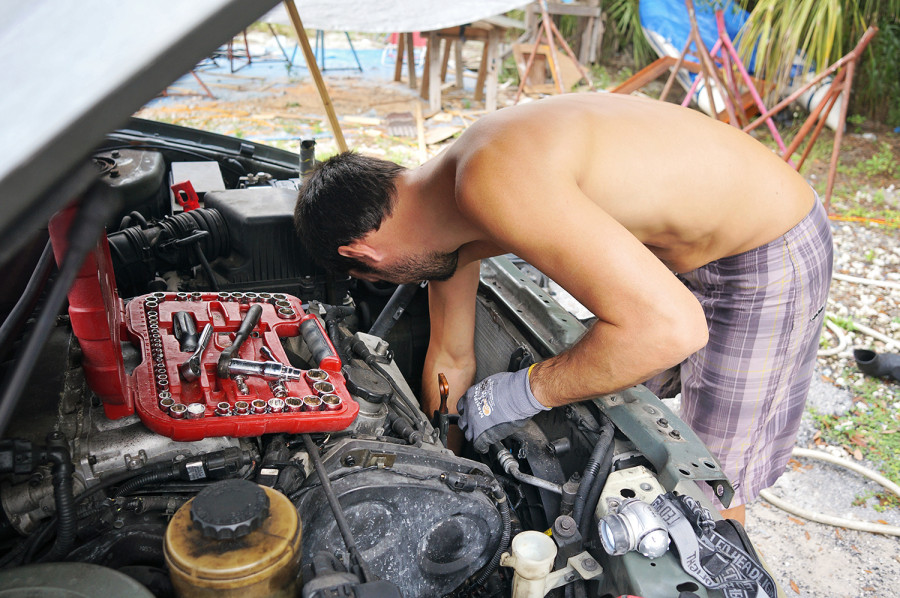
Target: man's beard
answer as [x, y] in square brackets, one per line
[431, 266]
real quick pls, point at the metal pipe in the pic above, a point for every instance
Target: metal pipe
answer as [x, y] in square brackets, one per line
[511, 466]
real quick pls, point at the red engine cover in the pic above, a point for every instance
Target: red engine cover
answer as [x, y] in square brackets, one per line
[100, 321]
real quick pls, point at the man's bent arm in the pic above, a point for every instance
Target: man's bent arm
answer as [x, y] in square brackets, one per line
[647, 320]
[451, 348]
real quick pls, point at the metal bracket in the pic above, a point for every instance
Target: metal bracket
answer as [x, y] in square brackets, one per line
[581, 566]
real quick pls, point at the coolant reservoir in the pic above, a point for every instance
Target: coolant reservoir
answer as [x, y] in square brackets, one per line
[234, 539]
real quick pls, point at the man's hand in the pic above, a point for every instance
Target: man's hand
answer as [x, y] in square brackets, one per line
[495, 407]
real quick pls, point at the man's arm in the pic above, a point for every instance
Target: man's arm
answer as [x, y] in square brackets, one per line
[647, 320]
[451, 348]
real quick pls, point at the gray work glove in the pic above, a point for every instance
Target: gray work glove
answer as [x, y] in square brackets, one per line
[495, 407]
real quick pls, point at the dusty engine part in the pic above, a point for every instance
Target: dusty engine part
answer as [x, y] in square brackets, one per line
[391, 493]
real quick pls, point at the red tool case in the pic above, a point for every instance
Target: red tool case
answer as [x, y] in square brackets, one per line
[101, 320]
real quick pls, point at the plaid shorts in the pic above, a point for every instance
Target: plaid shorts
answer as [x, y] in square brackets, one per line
[745, 391]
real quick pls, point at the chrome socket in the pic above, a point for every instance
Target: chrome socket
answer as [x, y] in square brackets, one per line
[241, 383]
[276, 405]
[241, 408]
[315, 375]
[323, 388]
[293, 404]
[195, 411]
[165, 402]
[312, 403]
[279, 390]
[331, 402]
[177, 411]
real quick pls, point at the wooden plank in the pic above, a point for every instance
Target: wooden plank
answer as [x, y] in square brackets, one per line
[556, 8]
[652, 71]
[411, 60]
[446, 59]
[398, 64]
[493, 70]
[433, 70]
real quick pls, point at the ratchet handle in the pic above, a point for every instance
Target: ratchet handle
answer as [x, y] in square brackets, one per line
[251, 319]
[185, 330]
[323, 352]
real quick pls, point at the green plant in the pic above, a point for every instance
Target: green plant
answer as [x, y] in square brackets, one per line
[882, 162]
[856, 120]
[625, 19]
[823, 31]
[844, 323]
[871, 427]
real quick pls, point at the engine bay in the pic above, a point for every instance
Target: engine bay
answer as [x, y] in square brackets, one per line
[208, 383]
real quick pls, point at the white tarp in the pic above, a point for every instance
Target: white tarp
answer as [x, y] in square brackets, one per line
[389, 16]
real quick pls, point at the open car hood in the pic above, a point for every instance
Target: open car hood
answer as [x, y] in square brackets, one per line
[72, 72]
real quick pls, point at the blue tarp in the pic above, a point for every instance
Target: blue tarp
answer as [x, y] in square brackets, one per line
[669, 18]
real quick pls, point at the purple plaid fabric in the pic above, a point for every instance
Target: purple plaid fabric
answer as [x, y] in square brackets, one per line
[744, 393]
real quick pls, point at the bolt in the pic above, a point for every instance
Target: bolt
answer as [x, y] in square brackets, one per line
[675, 434]
[349, 461]
[589, 564]
[663, 422]
[646, 487]
[720, 490]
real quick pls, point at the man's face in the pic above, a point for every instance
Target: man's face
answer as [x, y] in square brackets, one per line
[429, 266]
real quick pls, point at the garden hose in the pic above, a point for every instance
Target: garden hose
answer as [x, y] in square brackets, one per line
[863, 526]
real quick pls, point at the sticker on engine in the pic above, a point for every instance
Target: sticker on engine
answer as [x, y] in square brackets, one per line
[195, 470]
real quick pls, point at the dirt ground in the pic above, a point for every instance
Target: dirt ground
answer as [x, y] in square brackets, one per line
[808, 559]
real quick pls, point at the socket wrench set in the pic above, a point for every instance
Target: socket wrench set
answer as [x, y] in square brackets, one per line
[213, 365]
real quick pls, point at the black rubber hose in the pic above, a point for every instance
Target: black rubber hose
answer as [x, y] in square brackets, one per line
[207, 269]
[32, 290]
[58, 455]
[394, 308]
[590, 470]
[152, 477]
[86, 228]
[596, 488]
[503, 507]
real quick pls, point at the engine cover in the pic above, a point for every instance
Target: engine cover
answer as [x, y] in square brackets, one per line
[409, 526]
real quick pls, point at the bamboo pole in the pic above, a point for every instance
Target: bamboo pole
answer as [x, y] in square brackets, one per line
[316, 75]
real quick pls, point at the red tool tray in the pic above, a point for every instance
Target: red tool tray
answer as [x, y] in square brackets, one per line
[161, 353]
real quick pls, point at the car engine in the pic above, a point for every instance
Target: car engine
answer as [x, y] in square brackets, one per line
[214, 413]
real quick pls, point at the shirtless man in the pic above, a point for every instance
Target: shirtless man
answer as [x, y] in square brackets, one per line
[670, 227]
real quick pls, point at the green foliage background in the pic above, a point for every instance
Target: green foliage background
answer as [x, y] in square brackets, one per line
[824, 30]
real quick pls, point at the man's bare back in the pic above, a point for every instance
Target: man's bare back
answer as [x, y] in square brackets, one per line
[689, 188]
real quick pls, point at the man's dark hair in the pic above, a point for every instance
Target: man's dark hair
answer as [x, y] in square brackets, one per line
[342, 200]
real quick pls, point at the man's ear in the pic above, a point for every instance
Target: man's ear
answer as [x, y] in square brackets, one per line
[358, 250]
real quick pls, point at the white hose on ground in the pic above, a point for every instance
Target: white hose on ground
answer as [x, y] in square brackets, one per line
[839, 333]
[864, 526]
[869, 281]
[889, 343]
